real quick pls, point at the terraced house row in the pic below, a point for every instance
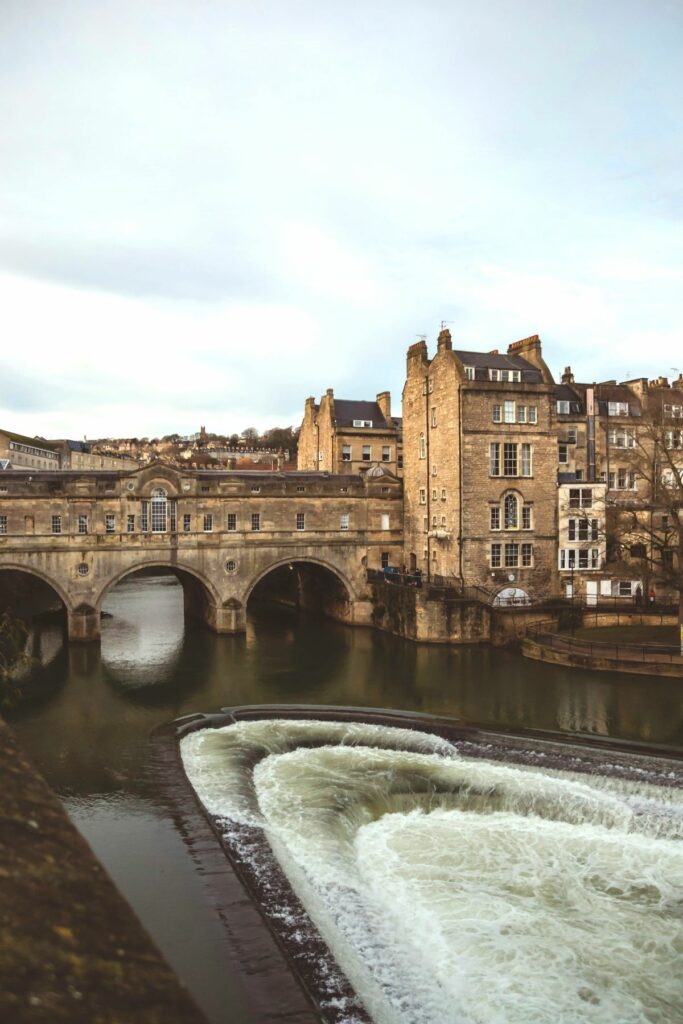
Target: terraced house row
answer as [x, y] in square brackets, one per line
[527, 487]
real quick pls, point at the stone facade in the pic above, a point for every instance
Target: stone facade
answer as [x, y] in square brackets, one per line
[480, 458]
[220, 532]
[343, 436]
[617, 442]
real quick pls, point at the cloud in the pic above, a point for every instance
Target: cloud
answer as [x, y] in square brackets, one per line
[213, 210]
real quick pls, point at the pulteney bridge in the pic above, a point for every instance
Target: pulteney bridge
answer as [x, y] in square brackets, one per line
[220, 533]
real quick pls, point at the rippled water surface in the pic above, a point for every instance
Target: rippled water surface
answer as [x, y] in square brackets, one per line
[95, 707]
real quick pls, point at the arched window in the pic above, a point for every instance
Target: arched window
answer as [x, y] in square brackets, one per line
[159, 507]
[423, 450]
[510, 512]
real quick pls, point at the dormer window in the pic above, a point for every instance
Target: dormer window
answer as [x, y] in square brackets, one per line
[513, 376]
[469, 372]
[362, 423]
[563, 408]
[617, 408]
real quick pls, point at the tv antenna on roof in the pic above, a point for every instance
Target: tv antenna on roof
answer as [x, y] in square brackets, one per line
[422, 337]
[444, 322]
[676, 369]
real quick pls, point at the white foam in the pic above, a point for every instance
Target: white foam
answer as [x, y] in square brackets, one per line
[456, 891]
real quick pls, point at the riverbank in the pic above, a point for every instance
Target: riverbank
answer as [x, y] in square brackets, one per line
[71, 949]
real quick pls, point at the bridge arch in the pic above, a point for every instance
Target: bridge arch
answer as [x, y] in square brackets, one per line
[201, 599]
[43, 576]
[281, 563]
[309, 583]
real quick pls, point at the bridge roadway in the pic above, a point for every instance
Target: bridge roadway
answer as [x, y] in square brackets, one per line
[221, 533]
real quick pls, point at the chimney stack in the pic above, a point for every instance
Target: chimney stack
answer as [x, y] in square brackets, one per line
[384, 402]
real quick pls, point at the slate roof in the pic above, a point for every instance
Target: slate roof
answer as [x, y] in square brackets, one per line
[35, 442]
[485, 361]
[346, 411]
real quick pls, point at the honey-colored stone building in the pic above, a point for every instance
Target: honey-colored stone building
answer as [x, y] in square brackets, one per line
[480, 467]
[349, 436]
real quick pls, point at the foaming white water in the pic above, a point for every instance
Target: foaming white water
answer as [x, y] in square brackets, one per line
[457, 891]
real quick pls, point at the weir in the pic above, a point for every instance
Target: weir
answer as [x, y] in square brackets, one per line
[375, 824]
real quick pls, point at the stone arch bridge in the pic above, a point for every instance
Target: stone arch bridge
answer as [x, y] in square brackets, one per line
[220, 533]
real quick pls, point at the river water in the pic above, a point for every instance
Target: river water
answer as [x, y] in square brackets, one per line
[89, 725]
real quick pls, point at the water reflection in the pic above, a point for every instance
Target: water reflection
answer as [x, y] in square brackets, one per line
[93, 708]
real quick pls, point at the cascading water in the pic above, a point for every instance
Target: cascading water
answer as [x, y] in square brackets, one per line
[459, 891]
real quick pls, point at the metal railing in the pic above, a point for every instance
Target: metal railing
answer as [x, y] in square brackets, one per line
[544, 633]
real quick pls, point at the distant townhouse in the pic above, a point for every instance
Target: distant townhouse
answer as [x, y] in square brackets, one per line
[346, 436]
[22, 452]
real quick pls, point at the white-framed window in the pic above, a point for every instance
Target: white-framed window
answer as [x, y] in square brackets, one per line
[158, 505]
[344, 521]
[580, 497]
[563, 408]
[109, 522]
[366, 453]
[433, 416]
[497, 414]
[511, 555]
[346, 453]
[469, 372]
[495, 555]
[509, 459]
[494, 458]
[423, 495]
[422, 447]
[572, 435]
[386, 453]
[622, 437]
[385, 521]
[508, 412]
[582, 529]
[513, 376]
[673, 439]
[56, 524]
[579, 558]
[82, 523]
[562, 453]
[494, 517]
[255, 522]
[521, 414]
[362, 423]
[673, 411]
[187, 522]
[527, 467]
[231, 522]
[617, 408]
[510, 512]
[301, 521]
[532, 414]
[3, 524]
[208, 522]
[527, 555]
[130, 522]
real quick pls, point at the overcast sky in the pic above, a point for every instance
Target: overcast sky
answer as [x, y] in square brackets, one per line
[212, 209]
